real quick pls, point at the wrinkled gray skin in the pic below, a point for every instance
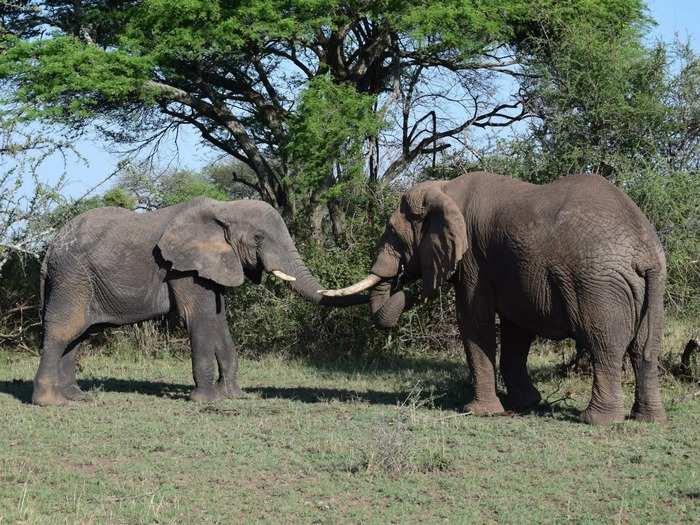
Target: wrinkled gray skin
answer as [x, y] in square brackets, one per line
[111, 266]
[572, 259]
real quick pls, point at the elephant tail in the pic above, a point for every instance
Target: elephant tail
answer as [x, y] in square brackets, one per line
[652, 320]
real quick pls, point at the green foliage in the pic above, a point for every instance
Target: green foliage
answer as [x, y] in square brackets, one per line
[185, 185]
[599, 97]
[671, 201]
[327, 134]
[151, 190]
[62, 78]
[120, 198]
[297, 89]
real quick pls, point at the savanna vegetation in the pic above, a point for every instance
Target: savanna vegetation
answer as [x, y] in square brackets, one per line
[328, 109]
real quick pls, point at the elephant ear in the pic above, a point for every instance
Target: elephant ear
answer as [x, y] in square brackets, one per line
[443, 241]
[196, 240]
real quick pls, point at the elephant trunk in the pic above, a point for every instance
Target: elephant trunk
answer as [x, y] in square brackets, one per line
[387, 307]
[308, 286]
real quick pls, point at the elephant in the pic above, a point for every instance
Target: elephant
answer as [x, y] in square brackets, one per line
[112, 266]
[574, 258]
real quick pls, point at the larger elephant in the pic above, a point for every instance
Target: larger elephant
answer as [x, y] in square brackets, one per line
[571, 259]
[111, 266]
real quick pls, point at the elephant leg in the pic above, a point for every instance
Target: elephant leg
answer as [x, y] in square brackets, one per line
[204, 366]
[64, 323]
[515, 346]
[227, 359]
[608, 340]
[647, 400]
[55, 377]
[47, 389]
[481, 356]
[68, 380]
[478, 330]
[200, 303]
[605, 405]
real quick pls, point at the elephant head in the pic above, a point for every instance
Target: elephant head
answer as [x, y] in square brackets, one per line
[425, 237]
[225, 241]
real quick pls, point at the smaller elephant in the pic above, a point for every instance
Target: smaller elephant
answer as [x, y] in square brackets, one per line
[111, 266]
[572, 259]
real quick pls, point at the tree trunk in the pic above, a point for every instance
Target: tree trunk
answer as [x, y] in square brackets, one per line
[337, 215]
[318, 211]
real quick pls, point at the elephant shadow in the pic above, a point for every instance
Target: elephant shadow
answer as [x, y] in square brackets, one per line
[129, 386]
[323, 395]
[449, 389]
[403, 398]
[22, 389]
[17, 388]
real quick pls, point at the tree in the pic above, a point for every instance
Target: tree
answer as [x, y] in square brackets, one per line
[397, 82]
[24, 197]
[149, 188]
[597, 101]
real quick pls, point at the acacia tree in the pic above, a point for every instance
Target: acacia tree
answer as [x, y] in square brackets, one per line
[24, 197]
[309, 94]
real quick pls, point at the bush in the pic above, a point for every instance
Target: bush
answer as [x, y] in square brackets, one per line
[19, 303]
[671, 201]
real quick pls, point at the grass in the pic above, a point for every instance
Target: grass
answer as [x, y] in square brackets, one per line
[372, 439]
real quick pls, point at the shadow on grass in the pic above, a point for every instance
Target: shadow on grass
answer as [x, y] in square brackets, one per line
[17, 388]
[378, 362]
[437, 382]
[22, 390]
[445, 396]
[128, 386]
[436, 399]
[322, 395]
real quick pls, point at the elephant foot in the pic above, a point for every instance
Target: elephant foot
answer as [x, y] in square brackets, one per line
[520, 401]
[654, 414]
[230, 391]
[484, 408]
[73, 392]
[594, 416]
[48, 395]
[205, 394]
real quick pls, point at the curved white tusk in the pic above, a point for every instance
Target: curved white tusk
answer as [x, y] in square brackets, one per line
[368, 282]
[283, 276]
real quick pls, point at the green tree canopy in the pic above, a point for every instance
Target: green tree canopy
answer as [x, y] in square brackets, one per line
[285, 86]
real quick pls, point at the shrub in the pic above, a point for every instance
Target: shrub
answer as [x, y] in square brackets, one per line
[671, 201]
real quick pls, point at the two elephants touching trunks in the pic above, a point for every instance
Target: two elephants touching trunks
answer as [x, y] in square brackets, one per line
[571, 259]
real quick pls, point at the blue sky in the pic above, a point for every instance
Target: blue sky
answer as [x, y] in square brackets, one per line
[674, 17]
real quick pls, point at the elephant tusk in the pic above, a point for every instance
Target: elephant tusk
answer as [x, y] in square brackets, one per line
[368, 282]
[283, 276]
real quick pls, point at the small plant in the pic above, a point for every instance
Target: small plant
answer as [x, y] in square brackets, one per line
[390, 451]
[393, 450]
[435, 461]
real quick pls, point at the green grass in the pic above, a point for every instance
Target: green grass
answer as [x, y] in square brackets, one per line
[374, 439]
